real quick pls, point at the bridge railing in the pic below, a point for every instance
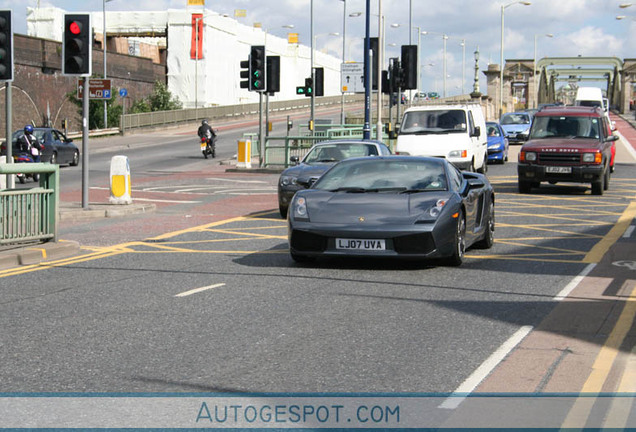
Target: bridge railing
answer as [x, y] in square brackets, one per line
[191, 115]
[28, 215]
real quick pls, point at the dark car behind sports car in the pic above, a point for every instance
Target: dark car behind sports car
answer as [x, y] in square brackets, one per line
[57, 147]
[392, 206]
[318, 160]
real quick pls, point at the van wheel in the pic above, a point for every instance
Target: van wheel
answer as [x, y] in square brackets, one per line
[484, 166]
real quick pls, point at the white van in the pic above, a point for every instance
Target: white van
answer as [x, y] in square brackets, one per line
[456, 132]
[593, 97]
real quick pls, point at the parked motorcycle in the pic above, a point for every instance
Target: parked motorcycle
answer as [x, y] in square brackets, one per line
[208, 146]
[23, 157]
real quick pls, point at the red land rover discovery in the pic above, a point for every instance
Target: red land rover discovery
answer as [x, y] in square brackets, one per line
[567, 144]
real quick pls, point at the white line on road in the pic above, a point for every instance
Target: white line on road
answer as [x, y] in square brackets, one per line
[198, 290]
[166, 201]
[236, 181]
[573, 283]
[485, 369]
[629, 231]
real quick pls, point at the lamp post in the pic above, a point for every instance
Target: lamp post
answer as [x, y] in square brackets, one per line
[444, 39]
[534, 69]
[501, 63]
[622, 17]
[344, 33]
[104, 46]
[463, 45]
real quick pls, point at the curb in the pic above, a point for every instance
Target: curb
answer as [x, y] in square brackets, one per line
[75, 212]
[37, 253]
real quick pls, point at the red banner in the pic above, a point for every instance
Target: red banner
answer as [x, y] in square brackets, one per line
[196, 47]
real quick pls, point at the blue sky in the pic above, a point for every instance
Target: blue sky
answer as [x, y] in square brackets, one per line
[579, 27]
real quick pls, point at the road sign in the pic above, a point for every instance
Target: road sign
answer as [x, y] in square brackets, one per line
[98, 89]
[352, 77]
[123, 92]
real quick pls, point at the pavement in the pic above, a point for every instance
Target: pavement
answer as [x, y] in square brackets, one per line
[38, 252]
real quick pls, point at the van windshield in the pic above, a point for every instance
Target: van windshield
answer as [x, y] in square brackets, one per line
[434, 122]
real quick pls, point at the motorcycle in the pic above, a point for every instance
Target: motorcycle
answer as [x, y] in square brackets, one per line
[208, 146]
[23, 157]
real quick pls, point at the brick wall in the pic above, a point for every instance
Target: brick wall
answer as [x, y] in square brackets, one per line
[38, 82]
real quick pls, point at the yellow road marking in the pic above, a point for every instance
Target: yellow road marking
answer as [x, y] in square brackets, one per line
[580, 411]
[601, 248]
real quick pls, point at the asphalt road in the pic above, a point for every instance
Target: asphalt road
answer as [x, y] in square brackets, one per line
[202, 294]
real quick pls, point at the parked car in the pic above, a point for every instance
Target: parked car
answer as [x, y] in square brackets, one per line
[456, 132]
[497, 143]
[567, 144]
[58, 149]
[392, 206]
[516, 125]
[318, 160]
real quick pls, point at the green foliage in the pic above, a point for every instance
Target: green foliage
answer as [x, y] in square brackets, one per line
[139, 106]
[162, 100]
[96, 111]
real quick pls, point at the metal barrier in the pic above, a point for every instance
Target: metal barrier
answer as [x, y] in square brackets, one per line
[278, 150]
[27, 215]
[190, 115]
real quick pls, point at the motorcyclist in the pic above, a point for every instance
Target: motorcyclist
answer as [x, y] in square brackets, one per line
[206, 131]
[29, 143]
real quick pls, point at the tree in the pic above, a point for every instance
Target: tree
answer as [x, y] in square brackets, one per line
[162, 100]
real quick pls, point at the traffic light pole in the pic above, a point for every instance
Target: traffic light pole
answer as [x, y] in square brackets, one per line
[85, 144]
[261, 141]
[9, 144]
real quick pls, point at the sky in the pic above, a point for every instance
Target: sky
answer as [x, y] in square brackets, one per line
[579, 27]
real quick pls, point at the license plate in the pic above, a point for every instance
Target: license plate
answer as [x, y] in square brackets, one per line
[558, 170]
[358, 244]
[203, 146]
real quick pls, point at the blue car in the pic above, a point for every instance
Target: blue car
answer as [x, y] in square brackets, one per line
[516, 125]
[497, 143]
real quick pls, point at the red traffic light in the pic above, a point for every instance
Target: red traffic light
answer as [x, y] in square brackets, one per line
[75, 27]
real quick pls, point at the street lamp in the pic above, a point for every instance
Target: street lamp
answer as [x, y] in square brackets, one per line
[444, 39]
[104, 49]
[501, 63]
[625, 5]
[534, 70]
[622, 17]
[324, 34]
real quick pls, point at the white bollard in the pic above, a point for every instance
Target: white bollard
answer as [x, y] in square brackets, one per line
[3, 177]
[120, 180]
[244, 156]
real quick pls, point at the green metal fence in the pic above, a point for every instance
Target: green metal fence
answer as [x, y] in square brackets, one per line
[278, 150]
[28, 215]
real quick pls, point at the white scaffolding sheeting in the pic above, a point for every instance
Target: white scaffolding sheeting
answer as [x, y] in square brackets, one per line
[214, 79]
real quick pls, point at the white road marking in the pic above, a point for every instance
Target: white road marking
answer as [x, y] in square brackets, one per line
[236, 181]
[629, 231]
[573, 283]
[166, 201]
[198, 290]
[497, 357]
[485, 369]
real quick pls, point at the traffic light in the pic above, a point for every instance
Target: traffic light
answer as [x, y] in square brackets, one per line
[319, 85]
[245, 74]
[76, 46]
[309, 87]
[6, 46]
[386, 86]
[257, 69]
[273, 74]
[374, 63]
[409, 67]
